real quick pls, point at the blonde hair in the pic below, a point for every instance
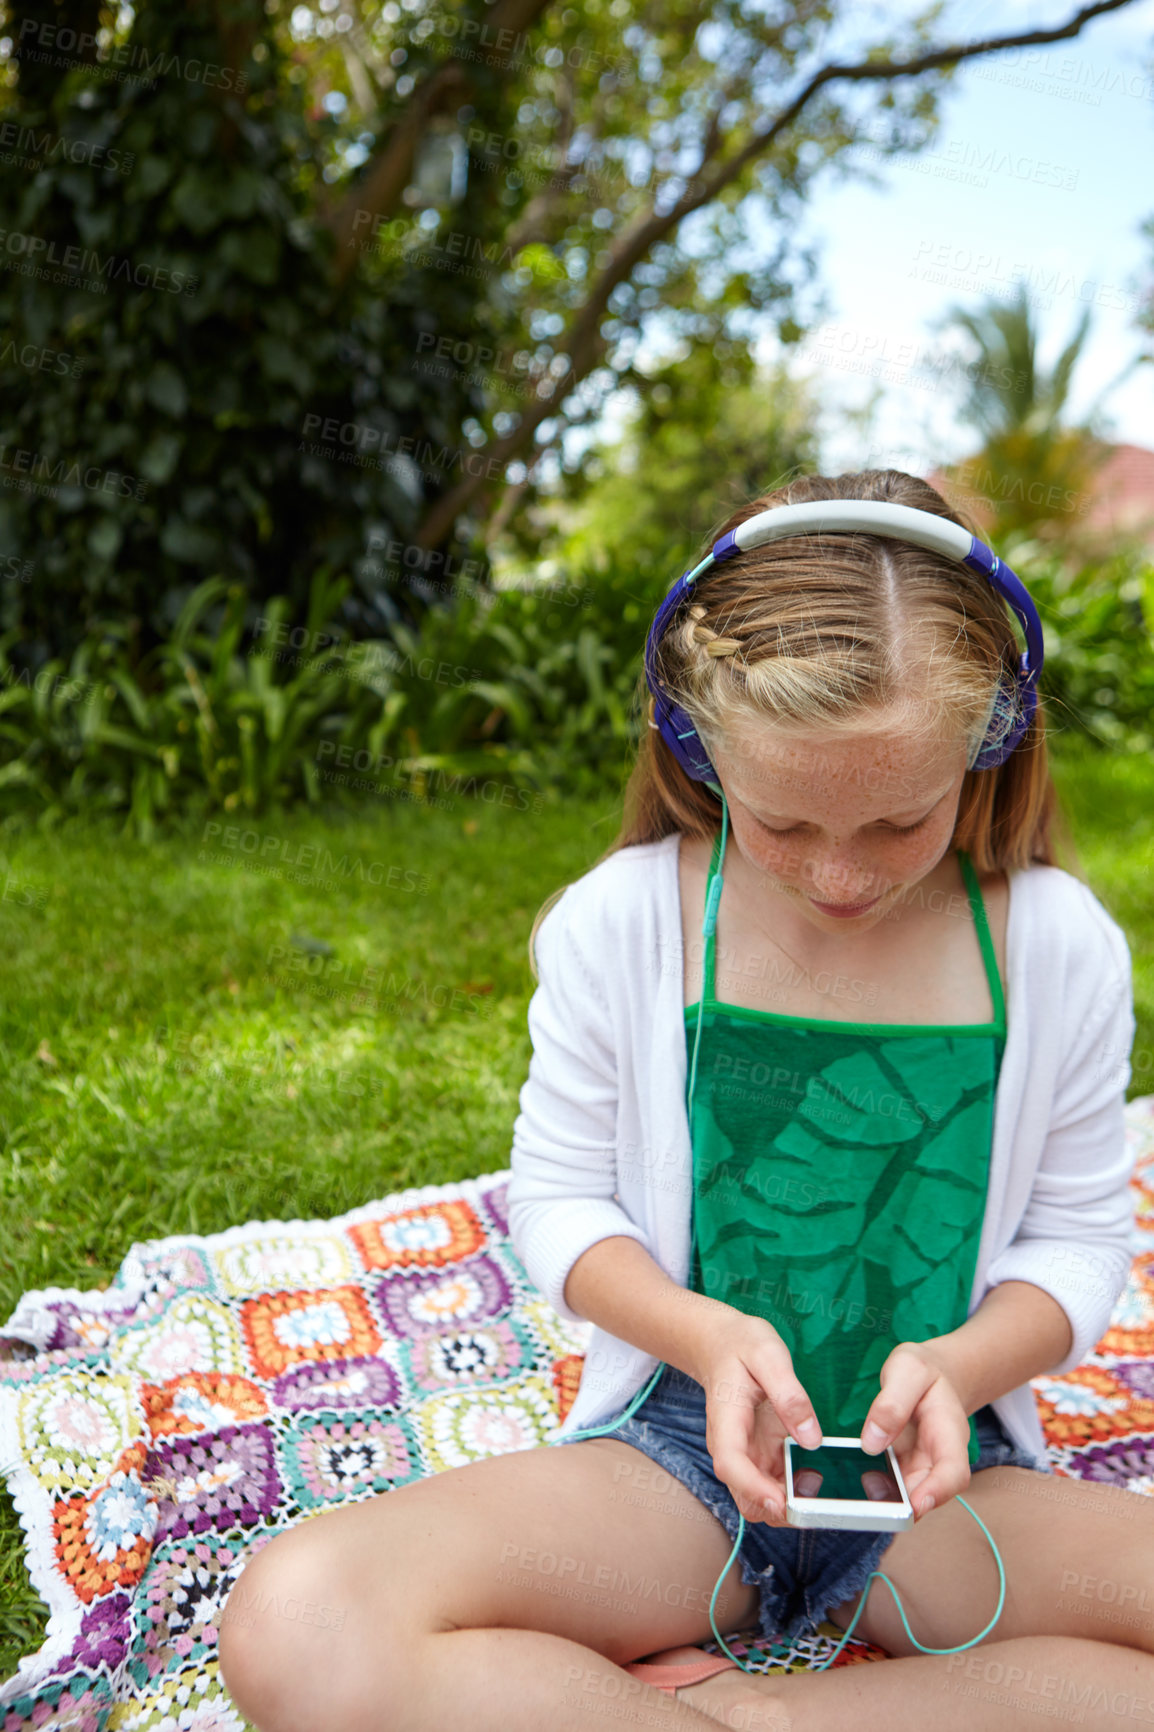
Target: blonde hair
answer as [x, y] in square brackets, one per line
[815, 631]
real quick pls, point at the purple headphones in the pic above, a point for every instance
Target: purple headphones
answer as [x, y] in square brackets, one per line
[1013, 707]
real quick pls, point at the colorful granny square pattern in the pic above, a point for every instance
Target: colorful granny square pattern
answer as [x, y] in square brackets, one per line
[331, 1458]
[338, 1383]
[418, 1304]
[282, 1260]
[186, 1590]
[285, 1329]
[193, 1333]
[171, 1265]
[1132, 1327]
[103, 1541]
[450, 1358]
[430, 1237]
[222, 1479]
[192, 1701]
[455, 1429]
[202, 1401]
[73, 1428]
[158, 1434]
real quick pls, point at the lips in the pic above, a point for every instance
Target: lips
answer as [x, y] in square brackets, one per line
[840, 911]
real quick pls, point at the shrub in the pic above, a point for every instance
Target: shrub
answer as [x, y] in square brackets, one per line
[1098, 628]
[536, 688]
[514, 686]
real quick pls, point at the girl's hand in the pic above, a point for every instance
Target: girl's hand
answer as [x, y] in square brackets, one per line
[753, 1401]
[921, 1413]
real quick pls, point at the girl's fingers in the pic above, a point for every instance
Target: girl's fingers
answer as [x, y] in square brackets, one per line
[769, 1371]
[945, 1479]
[760, 1496]
[770, 1511]
[749, 1414]
[905, 1380]
[944, 1446]
[738, 1453]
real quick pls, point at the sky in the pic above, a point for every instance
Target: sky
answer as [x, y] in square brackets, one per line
[1041, 173]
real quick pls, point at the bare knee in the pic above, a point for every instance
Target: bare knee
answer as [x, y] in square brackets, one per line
[297, 1643]
[260, 1649]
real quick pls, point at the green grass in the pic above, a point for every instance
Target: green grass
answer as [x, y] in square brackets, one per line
[1109, 802]
[156, 1080]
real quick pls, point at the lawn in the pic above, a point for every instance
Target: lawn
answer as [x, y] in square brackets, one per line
[288, 1017]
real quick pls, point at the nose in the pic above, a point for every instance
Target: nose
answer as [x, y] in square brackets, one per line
[838, 879]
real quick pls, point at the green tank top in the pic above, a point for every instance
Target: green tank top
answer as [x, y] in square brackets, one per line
[839, 1178]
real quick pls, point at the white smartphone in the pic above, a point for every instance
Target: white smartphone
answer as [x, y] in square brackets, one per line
[844, 1487]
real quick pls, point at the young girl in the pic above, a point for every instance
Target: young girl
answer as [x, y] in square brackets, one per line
[853, 1165]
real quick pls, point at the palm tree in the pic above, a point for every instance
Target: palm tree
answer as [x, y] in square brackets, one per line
[1034, 473]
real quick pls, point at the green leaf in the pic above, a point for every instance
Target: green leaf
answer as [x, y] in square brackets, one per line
[165, 388]
[158, 459]
[104, 538]
[133, 697]
[253, 252]
[544, 264]
[505, 697]
[279, 362]
[204, 596]
[187, 542]
[196, 201]
[149, 174]
[105, 734]
[16, 773]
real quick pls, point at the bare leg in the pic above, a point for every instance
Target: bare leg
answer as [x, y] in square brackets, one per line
[995, 1687]
[1074, 1641]
[523, 1681]
[506, 1596]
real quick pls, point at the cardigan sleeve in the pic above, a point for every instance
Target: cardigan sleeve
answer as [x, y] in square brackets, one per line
[1074, 1240]
[564, 1156]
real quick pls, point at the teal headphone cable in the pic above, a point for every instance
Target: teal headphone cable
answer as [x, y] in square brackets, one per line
[708, 929]
[961, 1647]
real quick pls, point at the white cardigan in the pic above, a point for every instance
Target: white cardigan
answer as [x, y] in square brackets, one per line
[601, 1145]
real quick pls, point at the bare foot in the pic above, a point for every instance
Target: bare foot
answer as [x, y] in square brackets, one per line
[746, 1702]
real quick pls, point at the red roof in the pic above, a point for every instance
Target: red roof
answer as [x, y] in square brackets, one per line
[1123, 501]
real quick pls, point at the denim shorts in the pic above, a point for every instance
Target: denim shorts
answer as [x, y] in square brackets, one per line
[801, 1573]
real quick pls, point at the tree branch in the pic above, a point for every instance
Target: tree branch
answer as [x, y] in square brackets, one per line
[512, 496]
[379, 192]
[538, 220]
[648, 228]
[363, 84]
[713, 130]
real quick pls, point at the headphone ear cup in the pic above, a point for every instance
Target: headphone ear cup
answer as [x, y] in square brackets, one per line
[682, 738]
[1008, 721]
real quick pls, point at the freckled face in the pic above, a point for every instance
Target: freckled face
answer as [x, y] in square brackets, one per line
[841, 824]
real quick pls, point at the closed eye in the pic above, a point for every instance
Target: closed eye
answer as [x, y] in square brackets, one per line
[897, 829]
[907, 829]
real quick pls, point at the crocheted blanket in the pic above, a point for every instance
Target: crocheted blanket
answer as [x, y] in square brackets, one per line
[156, 1434]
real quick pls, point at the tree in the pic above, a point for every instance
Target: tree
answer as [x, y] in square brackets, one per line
[442, 233]
[709, 432]
[1034, 472]
[718, 138]
[186, 391]
[1146, 316]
